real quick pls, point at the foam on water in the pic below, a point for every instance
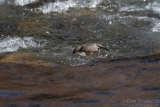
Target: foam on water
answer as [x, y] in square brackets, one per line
[75, 61]
[23, 2]
[56, 7]
[2, 1]
[155, 6]
[11, 44]
[130, 8]
[17, 2]
[62, 6]
[156, 28]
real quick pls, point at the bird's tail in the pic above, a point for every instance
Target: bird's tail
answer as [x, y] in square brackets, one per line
[101, 46]
[104, 48]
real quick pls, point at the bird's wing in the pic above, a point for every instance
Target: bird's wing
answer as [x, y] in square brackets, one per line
[90, 47]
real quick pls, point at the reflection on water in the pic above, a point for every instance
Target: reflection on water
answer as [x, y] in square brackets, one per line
[104, 93]
[84, 101]
[8, 94]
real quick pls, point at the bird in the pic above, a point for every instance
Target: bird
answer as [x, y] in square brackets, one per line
[88, 49]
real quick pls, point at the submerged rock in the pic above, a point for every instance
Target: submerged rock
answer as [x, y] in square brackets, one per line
[26, 58]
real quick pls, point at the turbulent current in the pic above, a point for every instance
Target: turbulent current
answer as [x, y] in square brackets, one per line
[51, 29]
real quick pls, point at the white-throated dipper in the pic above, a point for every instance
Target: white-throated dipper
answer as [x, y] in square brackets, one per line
[89, 49]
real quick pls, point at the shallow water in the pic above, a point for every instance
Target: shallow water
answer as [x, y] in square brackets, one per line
[51, 29]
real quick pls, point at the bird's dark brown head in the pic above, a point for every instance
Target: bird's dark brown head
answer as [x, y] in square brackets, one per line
[74, 51]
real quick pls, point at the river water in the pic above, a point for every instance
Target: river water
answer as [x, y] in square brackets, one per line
[51, 29]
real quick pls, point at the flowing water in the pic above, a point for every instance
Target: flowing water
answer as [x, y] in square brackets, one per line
[51, 29]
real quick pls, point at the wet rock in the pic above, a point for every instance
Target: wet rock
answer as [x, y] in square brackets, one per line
[80, 85]
[51, 64]
[26, 58]
[2, 55]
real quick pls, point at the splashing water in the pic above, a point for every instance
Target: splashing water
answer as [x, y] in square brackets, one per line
[23, 2]
[155, 6]
[62, 6]
[17, 2]
[11, 44]
[124, 26]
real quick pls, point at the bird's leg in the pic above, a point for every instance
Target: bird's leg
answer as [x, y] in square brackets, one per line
[99, 53]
